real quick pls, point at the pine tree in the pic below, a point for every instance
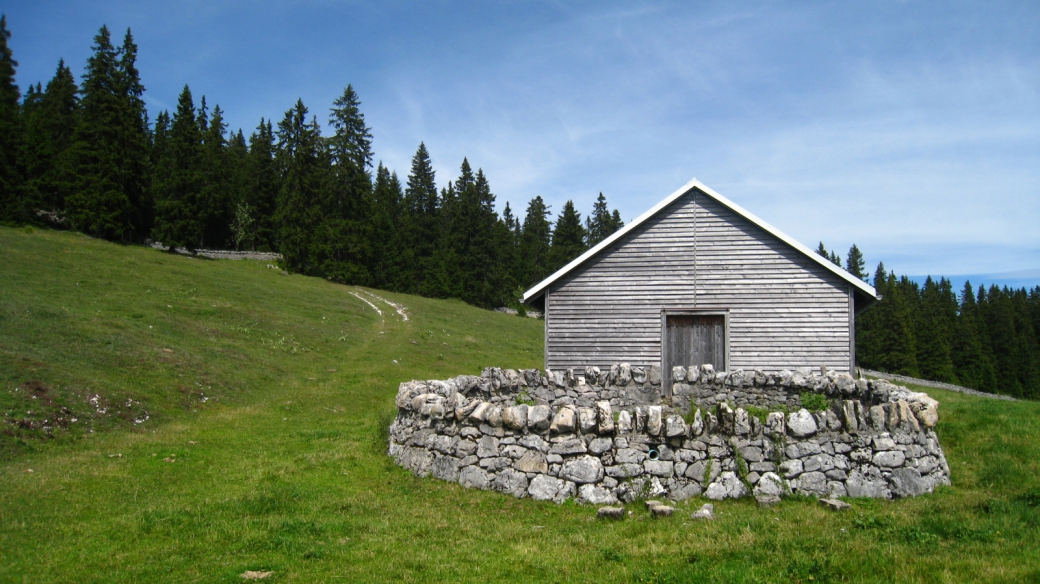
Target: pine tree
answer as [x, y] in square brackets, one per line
[999, 317]
[342, 246]
[387, 243]
[568, 239]
[264, 186]
[110, 147]
[50, 128]
[33, 155]
[535, 243]
[134, 147]
[215, 205]
[178, 184]
[935, 331]
[973, 367]
[897, 345]
[10, 131]
[854, 263]
[867, 327]
[599, 224]
[238, 184]
[420, 219]
[302, 168]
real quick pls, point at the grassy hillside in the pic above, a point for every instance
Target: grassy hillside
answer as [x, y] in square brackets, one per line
[265, 395]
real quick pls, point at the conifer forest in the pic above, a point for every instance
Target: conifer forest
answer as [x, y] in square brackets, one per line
[86, 156]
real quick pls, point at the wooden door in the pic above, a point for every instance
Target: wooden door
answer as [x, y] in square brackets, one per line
[695, 340]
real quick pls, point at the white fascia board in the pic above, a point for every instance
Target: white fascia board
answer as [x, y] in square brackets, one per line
[826, 263]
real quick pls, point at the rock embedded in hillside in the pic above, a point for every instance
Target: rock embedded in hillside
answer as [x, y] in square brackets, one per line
[611, 513]
[835, 504]
[705, 513]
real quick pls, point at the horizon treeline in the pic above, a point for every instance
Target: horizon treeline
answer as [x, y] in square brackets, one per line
[985, 339]
[87, 157]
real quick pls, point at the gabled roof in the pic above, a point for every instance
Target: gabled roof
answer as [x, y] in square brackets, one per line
[858, 284]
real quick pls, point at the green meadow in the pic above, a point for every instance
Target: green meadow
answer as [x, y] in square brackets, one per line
[170, 419]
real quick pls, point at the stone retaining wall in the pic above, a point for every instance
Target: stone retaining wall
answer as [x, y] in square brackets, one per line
[604, 436]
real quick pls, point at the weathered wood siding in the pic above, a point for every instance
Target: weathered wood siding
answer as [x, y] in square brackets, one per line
[785, 310]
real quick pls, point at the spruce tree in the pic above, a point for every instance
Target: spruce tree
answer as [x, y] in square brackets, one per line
[387, 209]
[867, 324]
[854, 263]
[134, 150]
[178, 184]
[110, 147]
[342, 246]
[10, 131]
[33, 156]
[58, 112]
[568, 239]
[420, 219]
[973, 367]
[998, 314]
[238, 182]
[934, 332]
[600, 224]
[535, 243]
[302, 168]
[215, 204]
[264, 186]
[897, 345]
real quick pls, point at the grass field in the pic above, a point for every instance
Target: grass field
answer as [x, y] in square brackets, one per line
[266, 396]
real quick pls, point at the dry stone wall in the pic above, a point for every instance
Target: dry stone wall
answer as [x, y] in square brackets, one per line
[605, 436]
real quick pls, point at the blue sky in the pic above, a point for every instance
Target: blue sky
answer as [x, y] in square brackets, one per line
[909, 128]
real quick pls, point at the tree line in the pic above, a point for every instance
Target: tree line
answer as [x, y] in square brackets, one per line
[986, 339]
[87, 157]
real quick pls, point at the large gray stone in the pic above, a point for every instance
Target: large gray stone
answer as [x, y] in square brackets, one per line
[534, 442]
[544, 488]
[624, 470]
[595, 495]
[907, 482]
[624, 422]
[639, 375]
[605, 417]
[869, 484]
[889, 459]
[568, 447]
[791, 468]
[629, 455]
[511, 482]
[600, 445]
[801, 424]
[727, 486]
[675, 427]
[538, 418]
[487, 446]
[811, 483]
[654, 424]
[770, 484]
[658, 468]
[446, 468]
[532, 461]
[582, 470]
[587, 420]
[473, 477]
[515, 417]
[565, 422]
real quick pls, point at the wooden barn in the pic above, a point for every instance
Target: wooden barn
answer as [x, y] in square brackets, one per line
[694, 280]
